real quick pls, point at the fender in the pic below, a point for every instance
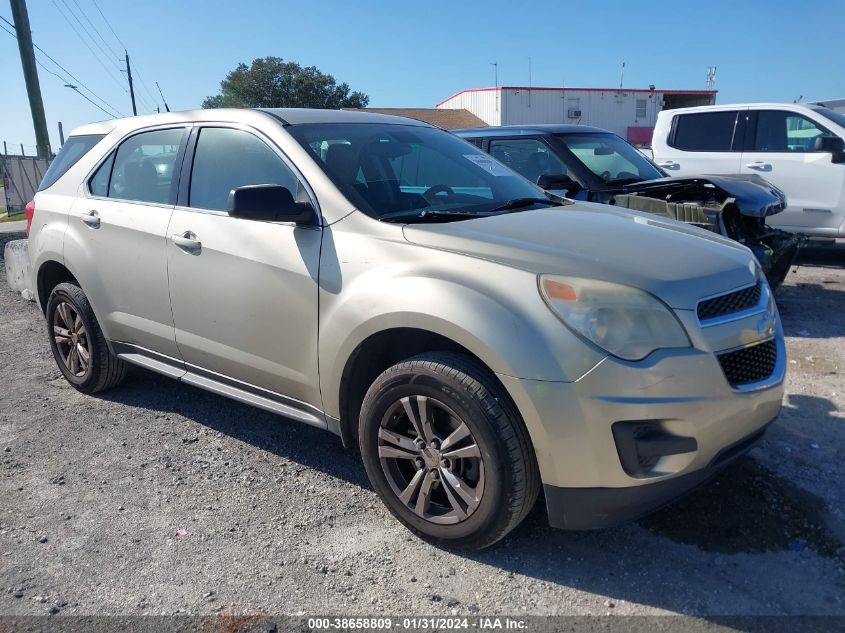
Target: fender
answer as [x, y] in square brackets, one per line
[492, 310]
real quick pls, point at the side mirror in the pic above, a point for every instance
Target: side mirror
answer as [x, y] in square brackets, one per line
[268, 203]
[558, 181]
[833, 144]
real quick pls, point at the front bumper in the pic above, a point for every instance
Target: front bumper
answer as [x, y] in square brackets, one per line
[598, 508]
[683, 393]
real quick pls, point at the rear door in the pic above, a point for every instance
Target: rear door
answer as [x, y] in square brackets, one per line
[243, 292]
[704, 143]
[781, 148]
[115, 238]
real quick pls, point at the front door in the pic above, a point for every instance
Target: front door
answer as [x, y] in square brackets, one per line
[243, 292]
[782, 150]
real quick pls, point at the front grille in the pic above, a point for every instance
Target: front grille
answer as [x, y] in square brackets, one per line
[750, 364]
[729, 303]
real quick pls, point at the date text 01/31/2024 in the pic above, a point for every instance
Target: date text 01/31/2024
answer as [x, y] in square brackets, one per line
[416, 623]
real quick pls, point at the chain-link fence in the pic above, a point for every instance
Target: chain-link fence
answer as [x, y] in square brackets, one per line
[20, 178]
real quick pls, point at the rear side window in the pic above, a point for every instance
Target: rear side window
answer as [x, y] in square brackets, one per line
[142, 169]
[74, 148]
[226, 159]
[704, 132]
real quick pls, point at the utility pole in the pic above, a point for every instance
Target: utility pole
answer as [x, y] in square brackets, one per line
[131, 87]
[61, 134]
[30, 75]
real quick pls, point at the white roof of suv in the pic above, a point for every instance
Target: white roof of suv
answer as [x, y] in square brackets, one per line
[285, 116]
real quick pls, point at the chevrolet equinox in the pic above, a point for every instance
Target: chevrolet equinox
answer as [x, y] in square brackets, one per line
[377, 277]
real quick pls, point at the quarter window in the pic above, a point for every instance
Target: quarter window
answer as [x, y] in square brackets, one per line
[226, 159]
[528, 157]
[144, 167]
[75, 148]
[781, 131]
[705, 131]
[100, 181]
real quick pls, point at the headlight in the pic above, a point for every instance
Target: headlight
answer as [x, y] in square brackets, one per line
[623, 321]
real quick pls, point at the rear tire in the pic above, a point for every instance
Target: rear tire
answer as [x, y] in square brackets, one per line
[474, 476]
[78, 343]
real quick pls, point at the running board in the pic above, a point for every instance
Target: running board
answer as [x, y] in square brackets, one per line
[221, 385]
[274, 406]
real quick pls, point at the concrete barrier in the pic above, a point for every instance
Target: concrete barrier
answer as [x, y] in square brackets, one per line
[18, 268]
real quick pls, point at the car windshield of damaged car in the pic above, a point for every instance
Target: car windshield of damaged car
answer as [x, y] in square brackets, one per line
[416, 174]
[610, 158]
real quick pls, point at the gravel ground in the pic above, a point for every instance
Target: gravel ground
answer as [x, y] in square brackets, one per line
[159, 498]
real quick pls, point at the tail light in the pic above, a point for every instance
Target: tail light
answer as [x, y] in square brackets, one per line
[29, 210]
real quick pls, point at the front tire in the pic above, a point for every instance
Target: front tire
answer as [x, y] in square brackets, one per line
[447, 451]
[78, 343]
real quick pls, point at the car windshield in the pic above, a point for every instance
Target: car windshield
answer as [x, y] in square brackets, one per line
[610, 158]
[833, 115]
[391, 171]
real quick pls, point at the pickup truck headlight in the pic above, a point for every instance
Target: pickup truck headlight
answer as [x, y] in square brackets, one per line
[623, 321]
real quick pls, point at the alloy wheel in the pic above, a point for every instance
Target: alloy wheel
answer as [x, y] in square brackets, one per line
[431, 460]
[71, 339]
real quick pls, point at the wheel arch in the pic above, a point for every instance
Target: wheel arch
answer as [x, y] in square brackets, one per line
[381, 350]
[50, 274]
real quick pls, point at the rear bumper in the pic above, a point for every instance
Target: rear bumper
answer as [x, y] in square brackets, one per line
[600, 508]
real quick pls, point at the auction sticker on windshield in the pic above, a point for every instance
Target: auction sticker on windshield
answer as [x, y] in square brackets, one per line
[488, 164]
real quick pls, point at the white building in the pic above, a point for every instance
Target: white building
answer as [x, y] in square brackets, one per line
[630, 113]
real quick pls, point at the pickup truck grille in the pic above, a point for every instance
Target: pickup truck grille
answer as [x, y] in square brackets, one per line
[729, 303]
[750, 364]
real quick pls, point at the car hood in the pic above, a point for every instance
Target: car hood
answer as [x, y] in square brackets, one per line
[755, 196]
[677, 262]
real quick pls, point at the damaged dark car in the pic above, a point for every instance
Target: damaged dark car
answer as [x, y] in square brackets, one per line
[587, 163]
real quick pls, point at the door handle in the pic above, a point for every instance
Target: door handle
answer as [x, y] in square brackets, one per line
[759, 164]
[187, 241]
[92, 219]
[669, 164]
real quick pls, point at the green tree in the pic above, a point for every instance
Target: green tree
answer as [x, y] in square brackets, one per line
[271, 82]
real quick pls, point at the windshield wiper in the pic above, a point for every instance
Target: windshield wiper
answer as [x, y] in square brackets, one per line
[424, 214]
[518, 203]
[433, 214]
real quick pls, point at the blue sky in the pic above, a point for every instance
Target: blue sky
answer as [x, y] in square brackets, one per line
[415, 54]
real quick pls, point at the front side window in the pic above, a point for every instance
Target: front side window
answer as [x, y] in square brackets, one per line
[529, 157]
[610, 158]
[782, 131]
[386, 169]
[226, 159]
[704, 131]
[144, 167]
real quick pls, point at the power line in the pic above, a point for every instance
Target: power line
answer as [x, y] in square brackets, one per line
[105, 53]
[62, 78]
[82, 39]
[65, 70]
[146, 104]
[96, 30]
[143, 83]
[108, 24]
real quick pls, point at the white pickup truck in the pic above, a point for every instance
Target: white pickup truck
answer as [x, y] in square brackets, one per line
[799, 148]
